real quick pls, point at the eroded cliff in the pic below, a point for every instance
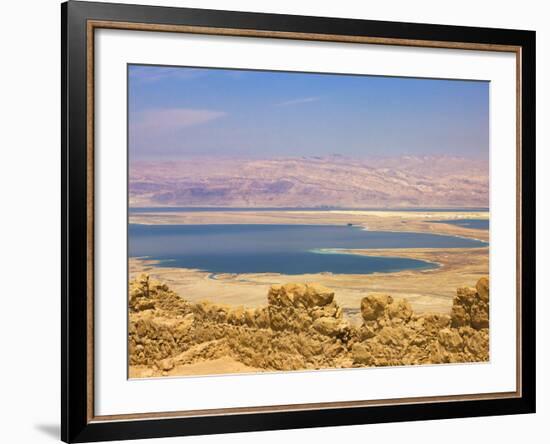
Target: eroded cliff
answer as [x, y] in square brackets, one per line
[301, 327]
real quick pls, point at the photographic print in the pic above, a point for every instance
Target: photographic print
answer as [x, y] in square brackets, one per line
[284, 221]
[292, 203]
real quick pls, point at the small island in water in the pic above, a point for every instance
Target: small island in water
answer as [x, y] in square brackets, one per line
[290, 257]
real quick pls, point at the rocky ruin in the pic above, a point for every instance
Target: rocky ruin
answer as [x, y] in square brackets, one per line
[302, 327]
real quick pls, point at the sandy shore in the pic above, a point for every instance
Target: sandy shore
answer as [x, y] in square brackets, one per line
[416, 221]
[427, 290]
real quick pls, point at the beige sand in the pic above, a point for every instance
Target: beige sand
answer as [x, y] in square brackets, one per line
[225, 365]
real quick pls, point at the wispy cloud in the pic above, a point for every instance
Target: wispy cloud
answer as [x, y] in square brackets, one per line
[162, 130]
[158, 121]
[298, 101]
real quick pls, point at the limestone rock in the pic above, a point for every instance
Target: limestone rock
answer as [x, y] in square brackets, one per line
[459, 316]
[399, 309]
[432, 323]
[301, 327]
[392, 336]
[329, 326]
[261, 318]
[144, 305]
[300, 295]
[317, 295]
[482, 288]
[479, 315]
[477, 345]
[283, 295]
[167, 364]
[451, 340]
[361, 354]
[368, 330]
[236, 316]
[471, 306]
[373, 305]
[465, 296]
[330, 310]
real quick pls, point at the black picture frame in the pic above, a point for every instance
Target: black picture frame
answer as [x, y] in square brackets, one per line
[76, 423]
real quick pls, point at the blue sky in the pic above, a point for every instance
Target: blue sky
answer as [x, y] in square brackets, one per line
[178, 112]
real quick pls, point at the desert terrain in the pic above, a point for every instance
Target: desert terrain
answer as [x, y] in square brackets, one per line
[426, 290]
[300, 327]
[335, 181]
[191, 322]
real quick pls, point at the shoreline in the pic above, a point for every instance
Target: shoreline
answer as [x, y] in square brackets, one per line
[427, 289]
[367, 253]
[396, 221]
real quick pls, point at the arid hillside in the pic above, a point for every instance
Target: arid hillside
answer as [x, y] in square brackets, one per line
[301, 327]
[407, 181]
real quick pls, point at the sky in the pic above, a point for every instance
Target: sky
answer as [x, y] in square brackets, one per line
[178, 112]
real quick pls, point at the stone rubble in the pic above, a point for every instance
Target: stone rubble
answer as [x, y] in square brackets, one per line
[302, 327]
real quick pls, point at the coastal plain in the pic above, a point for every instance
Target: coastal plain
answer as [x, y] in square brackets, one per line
[427, 290]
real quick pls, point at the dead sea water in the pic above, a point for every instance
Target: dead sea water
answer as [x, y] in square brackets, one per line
[285, 249]
[478, 224]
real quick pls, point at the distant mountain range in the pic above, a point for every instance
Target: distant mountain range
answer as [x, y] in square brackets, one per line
[335, 181]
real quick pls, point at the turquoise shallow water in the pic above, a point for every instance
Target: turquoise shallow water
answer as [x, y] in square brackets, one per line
[286, 249]
[480, 224]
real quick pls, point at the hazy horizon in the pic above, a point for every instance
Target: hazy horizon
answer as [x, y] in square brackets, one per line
[333, 156]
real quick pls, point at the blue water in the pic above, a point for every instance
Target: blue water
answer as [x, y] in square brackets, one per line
[479, 224]
[286, 249]
[322, 208]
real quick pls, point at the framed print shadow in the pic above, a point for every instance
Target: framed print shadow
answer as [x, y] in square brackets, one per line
[275, 221]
